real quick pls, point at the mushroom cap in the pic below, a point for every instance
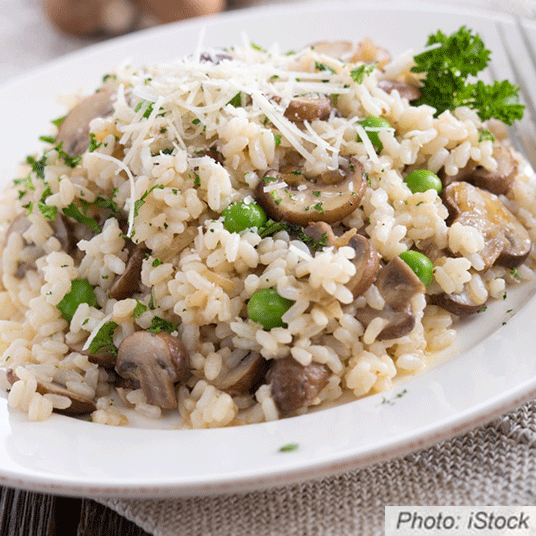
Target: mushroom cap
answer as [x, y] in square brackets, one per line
[507, 242]
[157, 361]
[294, 386]
[73, 132]
[296, 199]
[398, 284]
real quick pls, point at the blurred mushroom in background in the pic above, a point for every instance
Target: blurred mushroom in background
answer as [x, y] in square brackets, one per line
[116, 17]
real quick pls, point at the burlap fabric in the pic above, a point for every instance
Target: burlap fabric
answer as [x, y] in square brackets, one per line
[491, 465]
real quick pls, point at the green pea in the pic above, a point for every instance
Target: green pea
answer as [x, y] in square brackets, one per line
[267, 307]
[370, 124]
[420, 264]
[81, 292]
[422, 180]
[240, 216]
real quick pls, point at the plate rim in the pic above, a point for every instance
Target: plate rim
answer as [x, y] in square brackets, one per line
[456, 424]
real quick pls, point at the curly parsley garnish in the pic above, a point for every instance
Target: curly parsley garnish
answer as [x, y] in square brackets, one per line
[448, 64]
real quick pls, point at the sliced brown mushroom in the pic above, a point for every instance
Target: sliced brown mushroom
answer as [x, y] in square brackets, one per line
[463, 303]
[507, 242]
[292, 197]
[158, 361]
[366, 260]
[128, 283]
[245, 377]
[61, 230]
[497, 182]
[294, 386]
[397, 284]
[308, 109]
[79, 404]
[406, 91]
[73, 132]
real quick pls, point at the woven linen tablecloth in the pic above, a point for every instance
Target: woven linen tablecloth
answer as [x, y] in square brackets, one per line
[491, 465]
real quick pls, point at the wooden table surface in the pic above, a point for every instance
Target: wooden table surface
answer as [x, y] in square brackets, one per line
[27, 513]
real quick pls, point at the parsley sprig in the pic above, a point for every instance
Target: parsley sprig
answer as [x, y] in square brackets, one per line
[448, 65]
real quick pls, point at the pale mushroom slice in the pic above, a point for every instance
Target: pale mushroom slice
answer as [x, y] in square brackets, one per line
[292, 197]
[365, 51]
[158, 361]
[405, 90]
[507, 242]
[294, 386]
[73, 132]
[79, 404]
[397, 284]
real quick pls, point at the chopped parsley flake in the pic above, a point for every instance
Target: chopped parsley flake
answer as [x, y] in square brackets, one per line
[104, 338]
[359, 73]
[141, 201]
[159, 324]
[291, 447]
[139, 309]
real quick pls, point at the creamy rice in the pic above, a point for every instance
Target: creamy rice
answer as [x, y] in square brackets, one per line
[179, 144]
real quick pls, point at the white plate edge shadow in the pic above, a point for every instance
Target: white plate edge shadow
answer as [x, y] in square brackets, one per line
[23, 463]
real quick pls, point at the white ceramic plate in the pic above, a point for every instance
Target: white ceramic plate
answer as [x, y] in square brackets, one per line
[494, 372]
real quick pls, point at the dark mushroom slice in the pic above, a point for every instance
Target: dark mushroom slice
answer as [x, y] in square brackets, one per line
[398, 284]
[367, 264]
[292, 197]
[507, 242]
[79, 404]
[463, 303]
[406, 91]
[366, 260]
[497, 182]
[245, 377]
[308, 109]
[399, 323]
[73, 132]
[128, 283]
[158, 361]
[294, 386]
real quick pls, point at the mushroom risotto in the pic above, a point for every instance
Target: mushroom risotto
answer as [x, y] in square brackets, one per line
[244, 234]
